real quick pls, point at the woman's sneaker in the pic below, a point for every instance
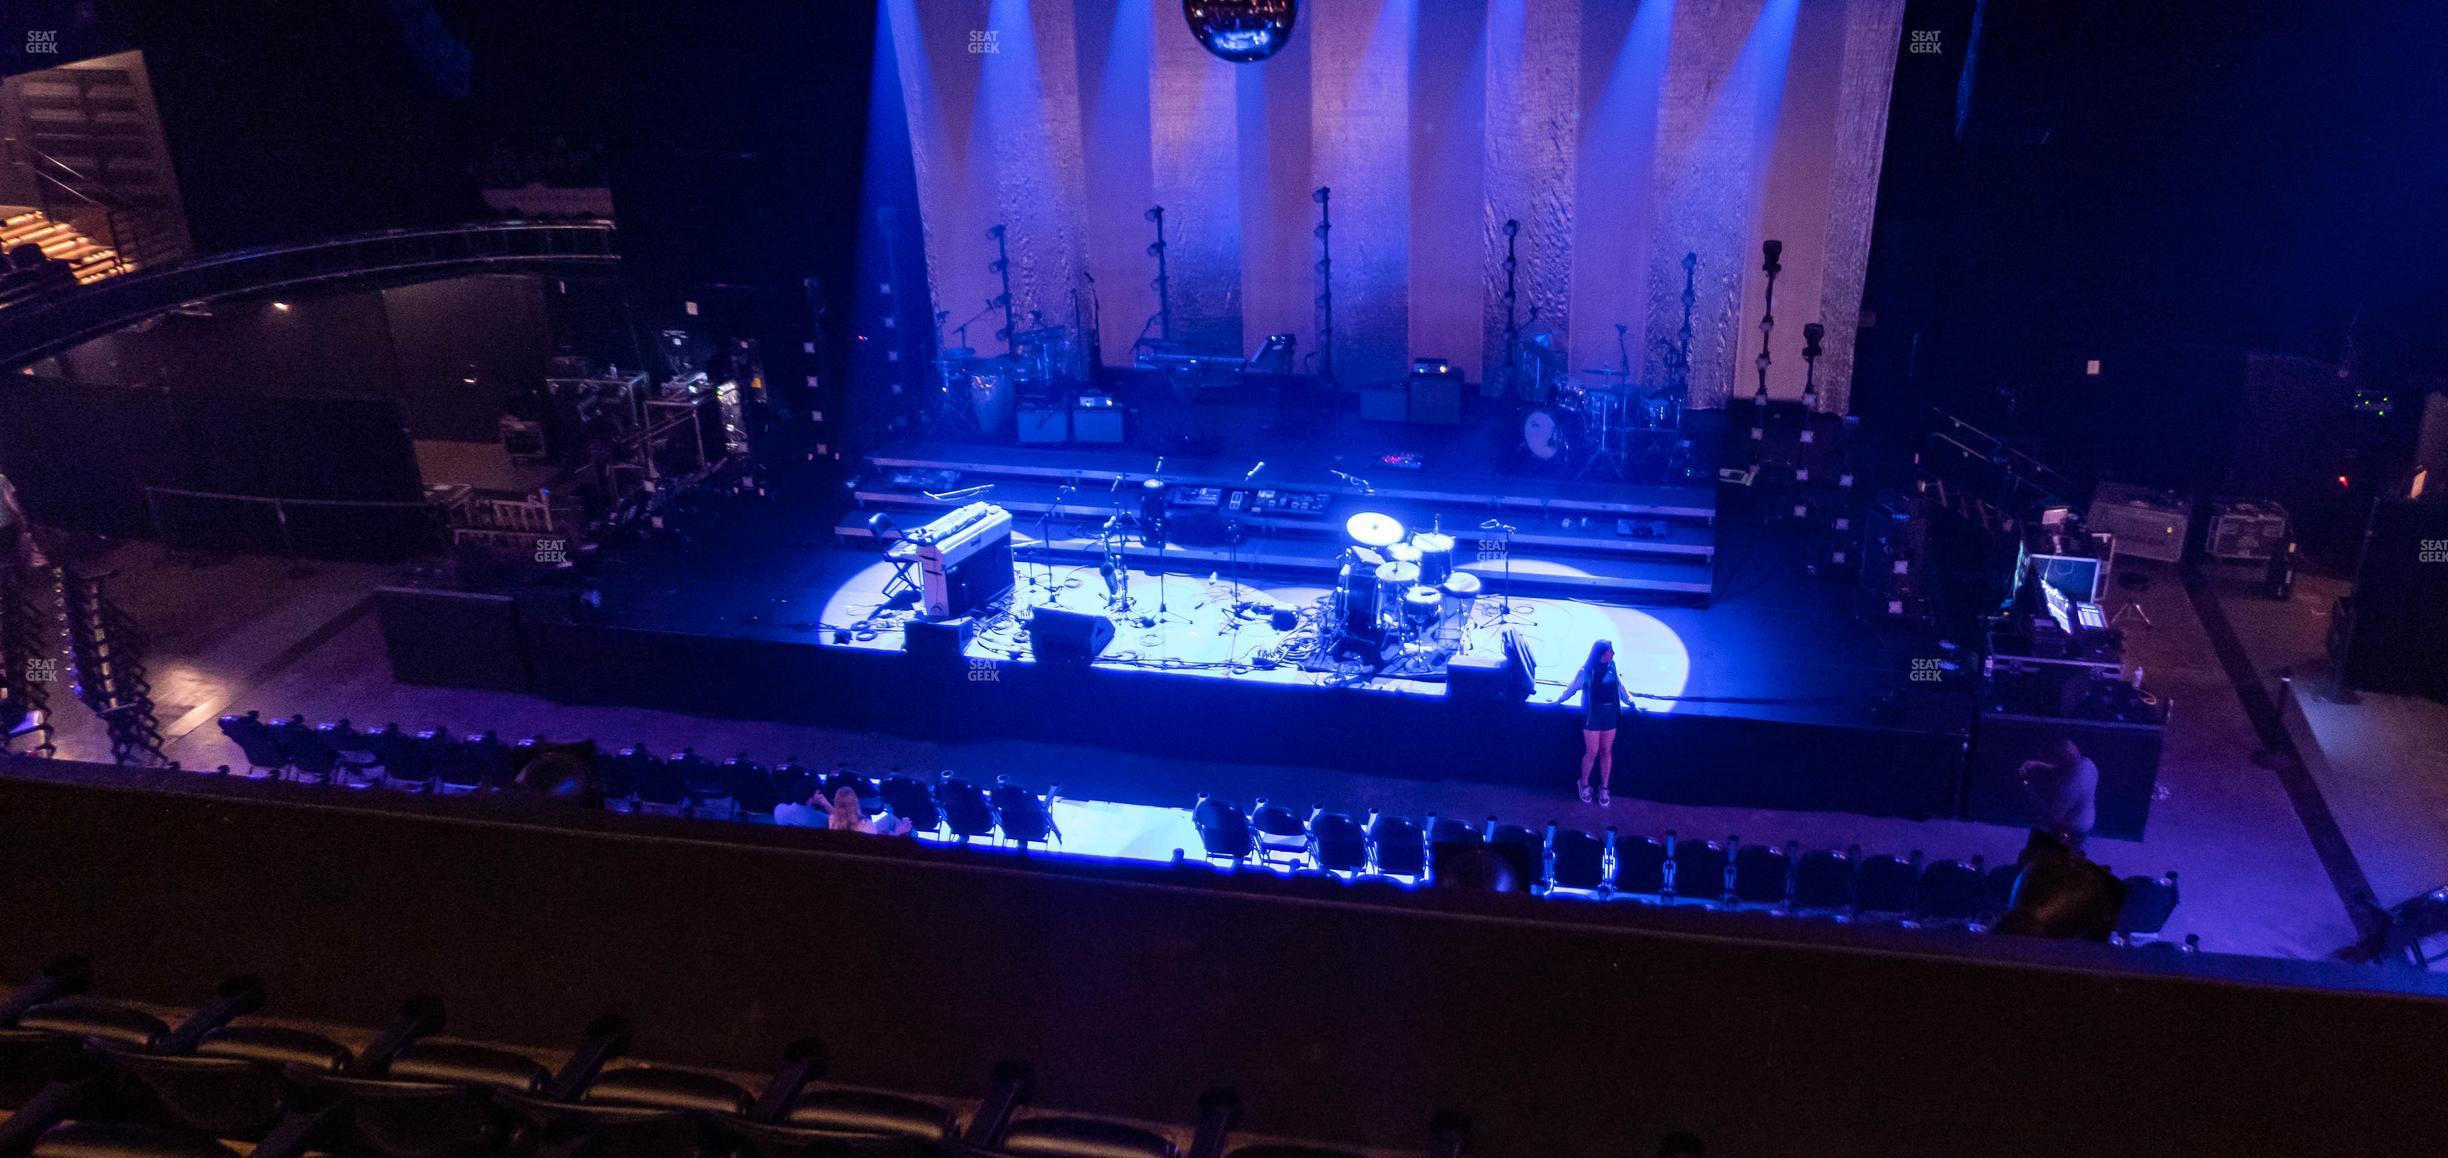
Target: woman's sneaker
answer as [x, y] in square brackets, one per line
[1585, 794]
[1605, 798]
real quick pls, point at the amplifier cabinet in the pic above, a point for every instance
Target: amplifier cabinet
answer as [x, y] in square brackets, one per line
[2147, 524]
[1044, 424]
[2246, 530]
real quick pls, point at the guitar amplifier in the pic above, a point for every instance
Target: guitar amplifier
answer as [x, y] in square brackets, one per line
[2246, 530]
[2147, 524]
[1044, 424]
[964, 560]
[1096, 418]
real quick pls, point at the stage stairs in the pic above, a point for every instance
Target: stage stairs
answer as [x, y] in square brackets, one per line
[1571, 538]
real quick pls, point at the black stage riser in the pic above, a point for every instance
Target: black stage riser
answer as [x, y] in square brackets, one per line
[1672, 758]
[1606, 541]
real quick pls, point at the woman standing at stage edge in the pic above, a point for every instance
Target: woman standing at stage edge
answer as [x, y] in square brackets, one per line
[1603, 699]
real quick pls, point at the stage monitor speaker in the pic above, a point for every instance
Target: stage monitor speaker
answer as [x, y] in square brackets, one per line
[1483, 680]
[1058, 636]
[944, 641]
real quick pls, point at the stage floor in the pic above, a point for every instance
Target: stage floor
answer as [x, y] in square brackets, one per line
[1776, 645]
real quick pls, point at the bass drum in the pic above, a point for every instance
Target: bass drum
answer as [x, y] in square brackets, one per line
[1547, 433]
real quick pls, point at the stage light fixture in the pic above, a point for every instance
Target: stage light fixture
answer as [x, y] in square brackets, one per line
[1241, 31]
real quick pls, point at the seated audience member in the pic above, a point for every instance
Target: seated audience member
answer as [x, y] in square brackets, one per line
[887, 823]
[809, 813]
[846, 816]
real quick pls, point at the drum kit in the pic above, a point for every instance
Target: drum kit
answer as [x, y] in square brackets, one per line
[1397, 587]
[1595, 420]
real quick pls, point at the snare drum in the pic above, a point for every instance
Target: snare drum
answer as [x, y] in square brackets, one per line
[1435, 552]
[1396, 579]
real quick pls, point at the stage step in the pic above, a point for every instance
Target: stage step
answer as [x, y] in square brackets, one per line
[1570, 537]
[1602, 534]
[978, 465]
[1614, 579]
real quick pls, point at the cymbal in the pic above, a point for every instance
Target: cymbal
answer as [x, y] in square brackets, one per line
[1370, 529]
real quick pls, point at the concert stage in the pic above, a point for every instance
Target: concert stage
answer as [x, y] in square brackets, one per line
[1762, 699]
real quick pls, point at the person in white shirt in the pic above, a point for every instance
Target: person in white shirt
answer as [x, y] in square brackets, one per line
[2064, 788]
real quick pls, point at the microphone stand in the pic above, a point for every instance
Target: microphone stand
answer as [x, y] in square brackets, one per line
[1160, 568]
[1045, 540]
[1504, 608]
[1117, 558]
[1232, 544]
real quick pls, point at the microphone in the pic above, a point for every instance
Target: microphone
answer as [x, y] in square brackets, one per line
[1253, 471]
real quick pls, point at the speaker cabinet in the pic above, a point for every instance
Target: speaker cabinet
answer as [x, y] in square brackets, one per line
[1058, 636]
[943, 641]
[453, 639]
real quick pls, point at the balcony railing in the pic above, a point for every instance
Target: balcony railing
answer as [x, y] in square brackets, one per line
[46, 325]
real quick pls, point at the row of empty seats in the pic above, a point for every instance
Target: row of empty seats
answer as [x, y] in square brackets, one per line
[1842, 884]
[82, 1077]
[632, 779]
[1557, 861]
